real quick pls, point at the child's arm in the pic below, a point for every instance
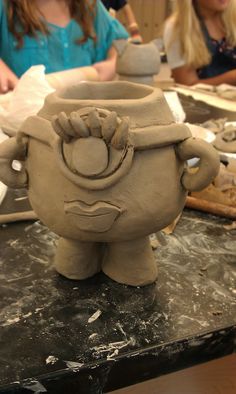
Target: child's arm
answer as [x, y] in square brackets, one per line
[63, 79]
[108, 30]
[131, 23]
[187, 75]
[106, 68]
[8, 79]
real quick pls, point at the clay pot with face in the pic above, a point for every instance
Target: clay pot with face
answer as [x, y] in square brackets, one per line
[104, 165]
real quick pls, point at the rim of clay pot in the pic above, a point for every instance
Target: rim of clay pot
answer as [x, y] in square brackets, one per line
[104, 92]
[151, 122]
[144, 105]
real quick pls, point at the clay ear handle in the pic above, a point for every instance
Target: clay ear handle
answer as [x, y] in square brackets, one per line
[12, 149]
[208, 165]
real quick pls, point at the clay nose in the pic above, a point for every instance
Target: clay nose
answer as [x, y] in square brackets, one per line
[89, 156]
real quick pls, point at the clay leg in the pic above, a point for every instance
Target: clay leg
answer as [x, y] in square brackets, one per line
[78, 260]
[131, 262]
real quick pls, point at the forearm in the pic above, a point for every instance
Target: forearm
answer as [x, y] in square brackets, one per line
[106, 68]
[128, 14]
[188, 76]
[112, 54]
[131, 22]
[228, 77]
[63, 79]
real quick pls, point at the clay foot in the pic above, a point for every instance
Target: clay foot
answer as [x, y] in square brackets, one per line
[131, 262]
[78, 260]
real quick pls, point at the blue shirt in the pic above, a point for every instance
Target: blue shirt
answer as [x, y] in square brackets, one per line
[223, 56]
[58, 51]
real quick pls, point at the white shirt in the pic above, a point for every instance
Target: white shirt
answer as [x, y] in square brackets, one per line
[172, 46]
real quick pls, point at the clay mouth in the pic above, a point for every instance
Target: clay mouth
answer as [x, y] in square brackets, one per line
[98, 217]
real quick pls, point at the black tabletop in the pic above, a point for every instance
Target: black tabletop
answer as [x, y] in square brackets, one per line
[93, 336]
[96, 335]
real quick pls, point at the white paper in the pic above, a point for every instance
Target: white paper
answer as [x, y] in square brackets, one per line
[175, 106]
[3, 188]
[26, 99]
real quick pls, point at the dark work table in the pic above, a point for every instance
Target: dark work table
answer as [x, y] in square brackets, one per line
[61, 336]
[94, 336]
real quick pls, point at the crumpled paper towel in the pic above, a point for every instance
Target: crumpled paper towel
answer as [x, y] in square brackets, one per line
[3, 188]
[26, 99]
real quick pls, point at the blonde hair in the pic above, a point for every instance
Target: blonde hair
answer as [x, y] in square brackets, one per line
[23, 18]
[188, 28]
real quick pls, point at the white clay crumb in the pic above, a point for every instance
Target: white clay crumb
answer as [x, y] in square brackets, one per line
[51, 360]
[92, 336]
[95, 316]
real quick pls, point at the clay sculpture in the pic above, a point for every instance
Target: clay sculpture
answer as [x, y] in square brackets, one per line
[137, 63]
[104, 164]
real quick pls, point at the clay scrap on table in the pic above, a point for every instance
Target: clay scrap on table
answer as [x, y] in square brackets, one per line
[219, 197]
[215, 125]
[225, 140]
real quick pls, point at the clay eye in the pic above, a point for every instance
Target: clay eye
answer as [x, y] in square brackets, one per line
[94, 142]
[89, 156]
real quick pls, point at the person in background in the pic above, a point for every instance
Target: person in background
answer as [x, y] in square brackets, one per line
[200, 42]
[60, 34]
[125, 8]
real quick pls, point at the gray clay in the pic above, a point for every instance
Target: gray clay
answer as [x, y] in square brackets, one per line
[104, 165]
[137, 63]
[226, 140]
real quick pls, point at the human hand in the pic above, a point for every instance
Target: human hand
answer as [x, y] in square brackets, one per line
[135, 36]
[8, 79]
[106, 69]
[135, 39]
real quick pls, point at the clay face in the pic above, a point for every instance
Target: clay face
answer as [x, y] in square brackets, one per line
[105, 167]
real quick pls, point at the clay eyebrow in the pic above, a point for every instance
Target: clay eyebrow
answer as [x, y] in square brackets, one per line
[158, 136]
